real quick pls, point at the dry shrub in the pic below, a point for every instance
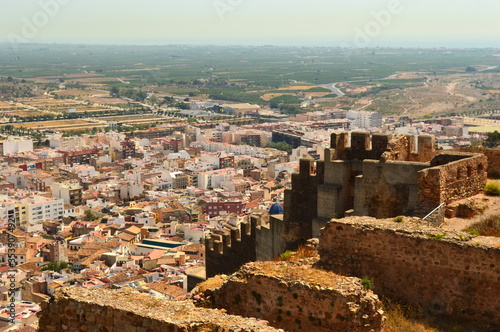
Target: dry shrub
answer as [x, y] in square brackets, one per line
[401, 318]
[488, 226]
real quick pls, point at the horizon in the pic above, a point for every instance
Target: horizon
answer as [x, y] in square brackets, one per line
[363, 24]
[124, 44]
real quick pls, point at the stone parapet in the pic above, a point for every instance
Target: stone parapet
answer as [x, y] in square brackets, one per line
[445, 272]
[295, 297]
[77, 309]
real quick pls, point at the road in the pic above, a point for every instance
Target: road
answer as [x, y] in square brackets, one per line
[331, 86]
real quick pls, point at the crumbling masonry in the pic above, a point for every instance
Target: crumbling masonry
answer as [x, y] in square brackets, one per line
[381, 175]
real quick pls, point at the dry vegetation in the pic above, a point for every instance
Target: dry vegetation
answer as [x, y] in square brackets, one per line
[488, 226]
[401, 318]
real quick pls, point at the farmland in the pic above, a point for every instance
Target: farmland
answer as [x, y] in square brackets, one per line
[413, 82]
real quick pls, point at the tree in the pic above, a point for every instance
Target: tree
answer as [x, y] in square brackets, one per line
[90, 215]
[282, 146]
[493, 140]
[115, 92]
[56, 266]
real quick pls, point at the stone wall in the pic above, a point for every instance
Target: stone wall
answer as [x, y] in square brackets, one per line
[225, 253]
[455, 176]
[295, 297]
[450, 273]
[302, 200]
[377, 146]
[387, 189]
[493, 156]
[77, 309]
[256, 240]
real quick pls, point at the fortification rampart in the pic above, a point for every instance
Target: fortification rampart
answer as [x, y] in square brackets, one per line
[365, 146]
[250, 241]
[76, 309]
[450, 273]
[295, 297]
[455, 176]
[493, 156]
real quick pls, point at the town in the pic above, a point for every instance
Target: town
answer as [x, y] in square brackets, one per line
[139, 188]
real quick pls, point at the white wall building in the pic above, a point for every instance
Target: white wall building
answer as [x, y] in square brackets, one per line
[42, 209]
[16, 144]
[365, 120]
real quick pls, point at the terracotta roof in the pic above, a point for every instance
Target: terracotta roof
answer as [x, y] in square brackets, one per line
[133, 230]
[125, 237]
[156, 253]
[167, 289]
[193, 247]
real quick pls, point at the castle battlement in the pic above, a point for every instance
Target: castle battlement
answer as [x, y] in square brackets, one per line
[362, 145]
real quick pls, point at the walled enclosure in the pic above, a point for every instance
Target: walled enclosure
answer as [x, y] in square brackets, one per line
[77, 309]
[493, 156]
[445, 272]
[379, 175]
[295, 297]
[257, 240]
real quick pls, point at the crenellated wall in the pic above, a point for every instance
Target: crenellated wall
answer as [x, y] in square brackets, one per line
[377, 146]
[250, 241]
[445, 272]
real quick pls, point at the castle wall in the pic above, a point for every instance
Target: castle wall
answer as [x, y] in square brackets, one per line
[445, 272]
[254, 241]
[269, 240]
[77, 309]
[297, 298]
[224, 254]
[387, 189]
[463, 177]
[390, 147]
[493, 156]
[300, 204]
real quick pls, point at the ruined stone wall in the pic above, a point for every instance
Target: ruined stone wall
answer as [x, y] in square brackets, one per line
[377, 146]
[445, 272]
[387, 189]
[225, 253]
[254, 241]
[77, 309]
[300, 203]
[493, 156]
[295, 297]
[458, 179]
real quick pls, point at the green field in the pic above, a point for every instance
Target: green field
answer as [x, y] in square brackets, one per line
[234, 66]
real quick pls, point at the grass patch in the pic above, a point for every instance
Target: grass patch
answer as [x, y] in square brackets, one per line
[398, 219]
[301, 253]
[286, 256]
[436, 236]
[492, 189]
[488, 226]
[367, 283]
[414, 319]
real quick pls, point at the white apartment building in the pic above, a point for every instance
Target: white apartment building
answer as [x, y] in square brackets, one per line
[42, 209]
[70, 192]
[16, 144]
[31, 210]
[365, 120]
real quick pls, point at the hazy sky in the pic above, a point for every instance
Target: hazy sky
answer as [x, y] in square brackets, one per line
[408, 23]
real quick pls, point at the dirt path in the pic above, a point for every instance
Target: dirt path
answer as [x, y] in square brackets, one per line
[493, 208]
